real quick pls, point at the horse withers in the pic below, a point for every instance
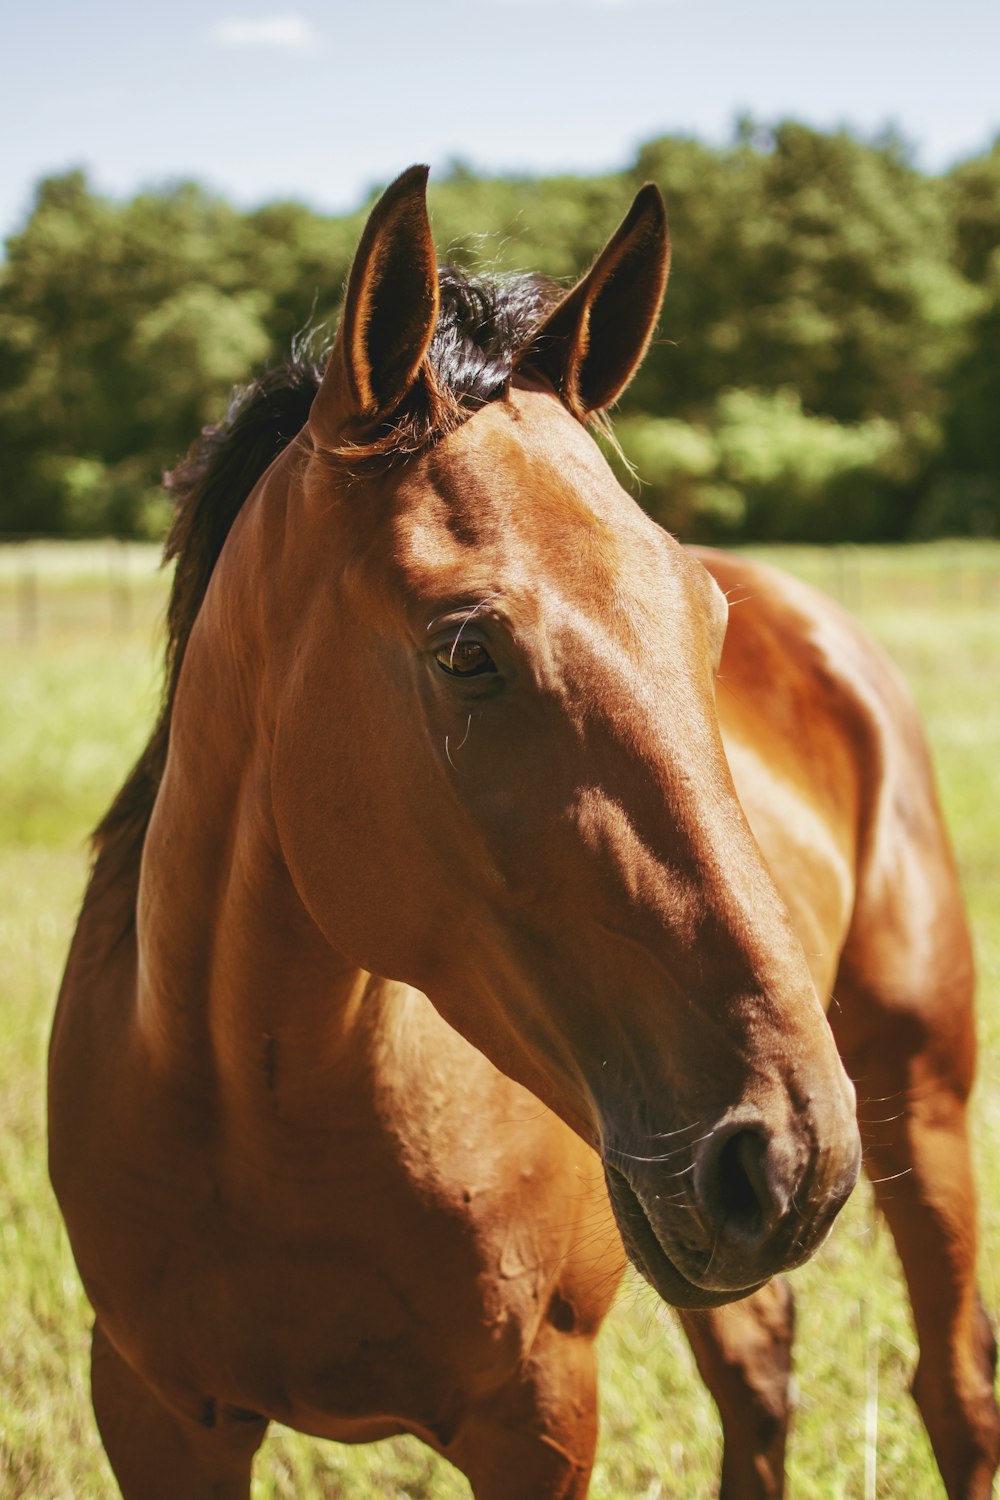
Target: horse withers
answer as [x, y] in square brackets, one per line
[438, 822]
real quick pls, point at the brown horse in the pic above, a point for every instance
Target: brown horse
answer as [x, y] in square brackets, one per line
[437, 823]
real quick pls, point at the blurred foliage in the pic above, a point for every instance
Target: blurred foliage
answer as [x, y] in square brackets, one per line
[762, 467]
[828, 366]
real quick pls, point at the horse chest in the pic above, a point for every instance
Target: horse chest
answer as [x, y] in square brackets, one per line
[326, 1287]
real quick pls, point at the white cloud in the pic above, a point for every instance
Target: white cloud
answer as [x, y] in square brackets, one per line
[289, 33]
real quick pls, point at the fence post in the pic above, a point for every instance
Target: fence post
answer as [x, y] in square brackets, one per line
[119, 587]
[28, 615]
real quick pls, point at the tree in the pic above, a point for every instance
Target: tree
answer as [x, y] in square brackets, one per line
[826, 367]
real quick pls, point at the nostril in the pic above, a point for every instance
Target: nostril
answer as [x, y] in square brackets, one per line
[735, 1181]
[741, 1182]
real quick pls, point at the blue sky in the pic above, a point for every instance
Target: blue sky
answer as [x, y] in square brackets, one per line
[320, 101]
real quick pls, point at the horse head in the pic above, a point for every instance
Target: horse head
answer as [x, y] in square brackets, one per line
[496, 768]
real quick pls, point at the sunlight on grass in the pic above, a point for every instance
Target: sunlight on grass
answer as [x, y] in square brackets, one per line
[78, 674]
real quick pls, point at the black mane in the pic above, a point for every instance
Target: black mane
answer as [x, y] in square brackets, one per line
[482, 326]
[483, 323]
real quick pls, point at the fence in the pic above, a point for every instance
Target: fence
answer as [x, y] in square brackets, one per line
[51, 590]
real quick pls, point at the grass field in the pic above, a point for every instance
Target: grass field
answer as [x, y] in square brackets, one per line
[77, 689]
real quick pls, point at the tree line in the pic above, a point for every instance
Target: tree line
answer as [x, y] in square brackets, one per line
[828, 365]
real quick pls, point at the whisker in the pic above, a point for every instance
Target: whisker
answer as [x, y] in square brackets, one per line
[465, 736]
[665, 1135]
[664, 1156]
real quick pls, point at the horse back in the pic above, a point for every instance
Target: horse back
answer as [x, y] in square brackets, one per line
[831, 765]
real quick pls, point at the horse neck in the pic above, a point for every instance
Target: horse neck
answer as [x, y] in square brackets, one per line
[233, 972]
[238, 989]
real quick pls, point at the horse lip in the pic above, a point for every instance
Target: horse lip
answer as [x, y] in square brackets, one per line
[650, 1258]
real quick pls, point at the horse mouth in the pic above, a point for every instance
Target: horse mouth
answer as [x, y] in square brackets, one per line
[651, 1260]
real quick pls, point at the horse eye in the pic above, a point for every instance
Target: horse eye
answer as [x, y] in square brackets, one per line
[465, 659]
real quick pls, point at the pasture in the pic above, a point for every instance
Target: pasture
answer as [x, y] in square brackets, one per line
[78, 684]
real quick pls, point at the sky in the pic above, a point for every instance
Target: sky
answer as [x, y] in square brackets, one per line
[321, 102]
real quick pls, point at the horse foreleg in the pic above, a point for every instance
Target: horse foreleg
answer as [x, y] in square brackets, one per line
[744, 1354]
[157, 1455]
[535, 1438]
[921, 1170]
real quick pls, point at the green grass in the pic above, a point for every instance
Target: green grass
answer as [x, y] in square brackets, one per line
[77, 691]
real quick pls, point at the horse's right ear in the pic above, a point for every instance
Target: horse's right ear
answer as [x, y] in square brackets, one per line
[388, 320]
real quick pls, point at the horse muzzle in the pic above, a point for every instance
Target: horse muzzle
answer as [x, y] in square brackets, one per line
[747, 1204]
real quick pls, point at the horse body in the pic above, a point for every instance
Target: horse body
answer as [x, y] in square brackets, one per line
[832, 769]
[449, 727]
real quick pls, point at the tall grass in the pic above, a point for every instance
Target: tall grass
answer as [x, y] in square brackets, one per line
[77, 691]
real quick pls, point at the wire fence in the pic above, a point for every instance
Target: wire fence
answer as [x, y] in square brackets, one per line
[53, 590]
[50, 590]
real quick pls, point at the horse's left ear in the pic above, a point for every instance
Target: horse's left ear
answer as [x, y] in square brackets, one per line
[390, 311]
[593, 341]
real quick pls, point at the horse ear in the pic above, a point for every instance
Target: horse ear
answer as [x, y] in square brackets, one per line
[389, 314]
[593, 341]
